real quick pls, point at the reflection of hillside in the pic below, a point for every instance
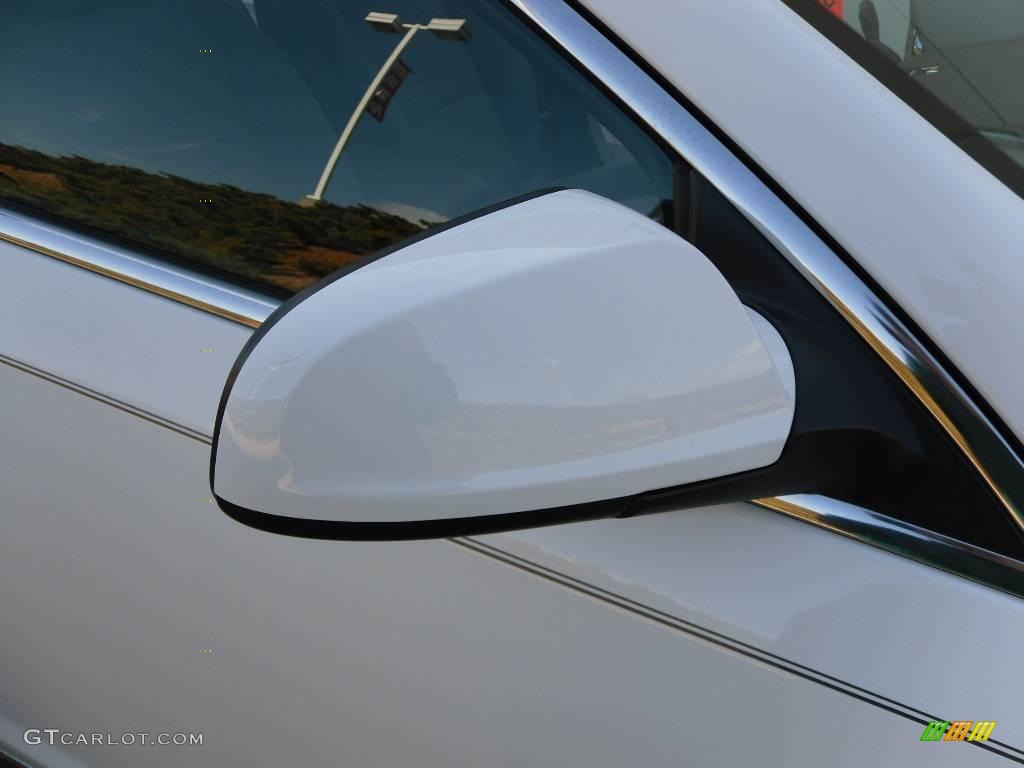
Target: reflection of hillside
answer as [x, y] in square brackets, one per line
[255, 236]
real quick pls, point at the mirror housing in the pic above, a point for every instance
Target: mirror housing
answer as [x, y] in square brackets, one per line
[550, 359]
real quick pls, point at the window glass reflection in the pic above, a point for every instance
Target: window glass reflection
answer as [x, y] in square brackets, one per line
[201, 128]
[959, 63]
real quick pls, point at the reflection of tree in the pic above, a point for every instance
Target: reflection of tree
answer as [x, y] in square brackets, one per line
[254, 236]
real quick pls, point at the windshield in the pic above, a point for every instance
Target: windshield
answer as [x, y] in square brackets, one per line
[960, 63]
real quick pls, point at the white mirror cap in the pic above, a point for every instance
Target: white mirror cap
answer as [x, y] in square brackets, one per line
[559, 351]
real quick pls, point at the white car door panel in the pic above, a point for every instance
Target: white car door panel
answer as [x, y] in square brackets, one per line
[147, 352]
[800, 593]
[130, 606]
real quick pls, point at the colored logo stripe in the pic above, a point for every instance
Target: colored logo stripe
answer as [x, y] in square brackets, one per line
[982, 730]
[958, 730]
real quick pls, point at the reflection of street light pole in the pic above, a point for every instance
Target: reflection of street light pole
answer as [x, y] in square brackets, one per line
[446, 29]
[558, 375]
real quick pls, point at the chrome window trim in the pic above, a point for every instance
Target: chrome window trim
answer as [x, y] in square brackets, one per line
[210, 294]
[902, 538]
[979, 440]
[972, 431]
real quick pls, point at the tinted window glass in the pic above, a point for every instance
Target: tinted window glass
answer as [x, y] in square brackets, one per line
[960, 63]
[201, 127]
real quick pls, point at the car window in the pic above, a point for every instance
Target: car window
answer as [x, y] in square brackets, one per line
[959, 63]
[202, 128]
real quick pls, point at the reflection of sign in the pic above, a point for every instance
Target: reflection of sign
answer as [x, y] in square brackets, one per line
[834, 7]
[388, 88]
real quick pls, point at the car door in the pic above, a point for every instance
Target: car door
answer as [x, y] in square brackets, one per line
[156, 210]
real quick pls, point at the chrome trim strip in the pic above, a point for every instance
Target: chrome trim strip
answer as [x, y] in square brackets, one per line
[991, 455]
[210, 294]
[976, 436]
[910, 541]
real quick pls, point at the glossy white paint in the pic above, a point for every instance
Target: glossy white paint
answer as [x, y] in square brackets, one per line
[172, 365]
[937, 231]
[560, 351]
[115, 571]
[808, 595]
[117, 577]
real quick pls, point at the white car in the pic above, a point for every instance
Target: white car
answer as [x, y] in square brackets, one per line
[530, 383]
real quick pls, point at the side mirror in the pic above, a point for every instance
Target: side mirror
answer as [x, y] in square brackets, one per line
[555, 358]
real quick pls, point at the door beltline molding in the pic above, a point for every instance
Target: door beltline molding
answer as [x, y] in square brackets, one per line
[180, 284]
[906, 539]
